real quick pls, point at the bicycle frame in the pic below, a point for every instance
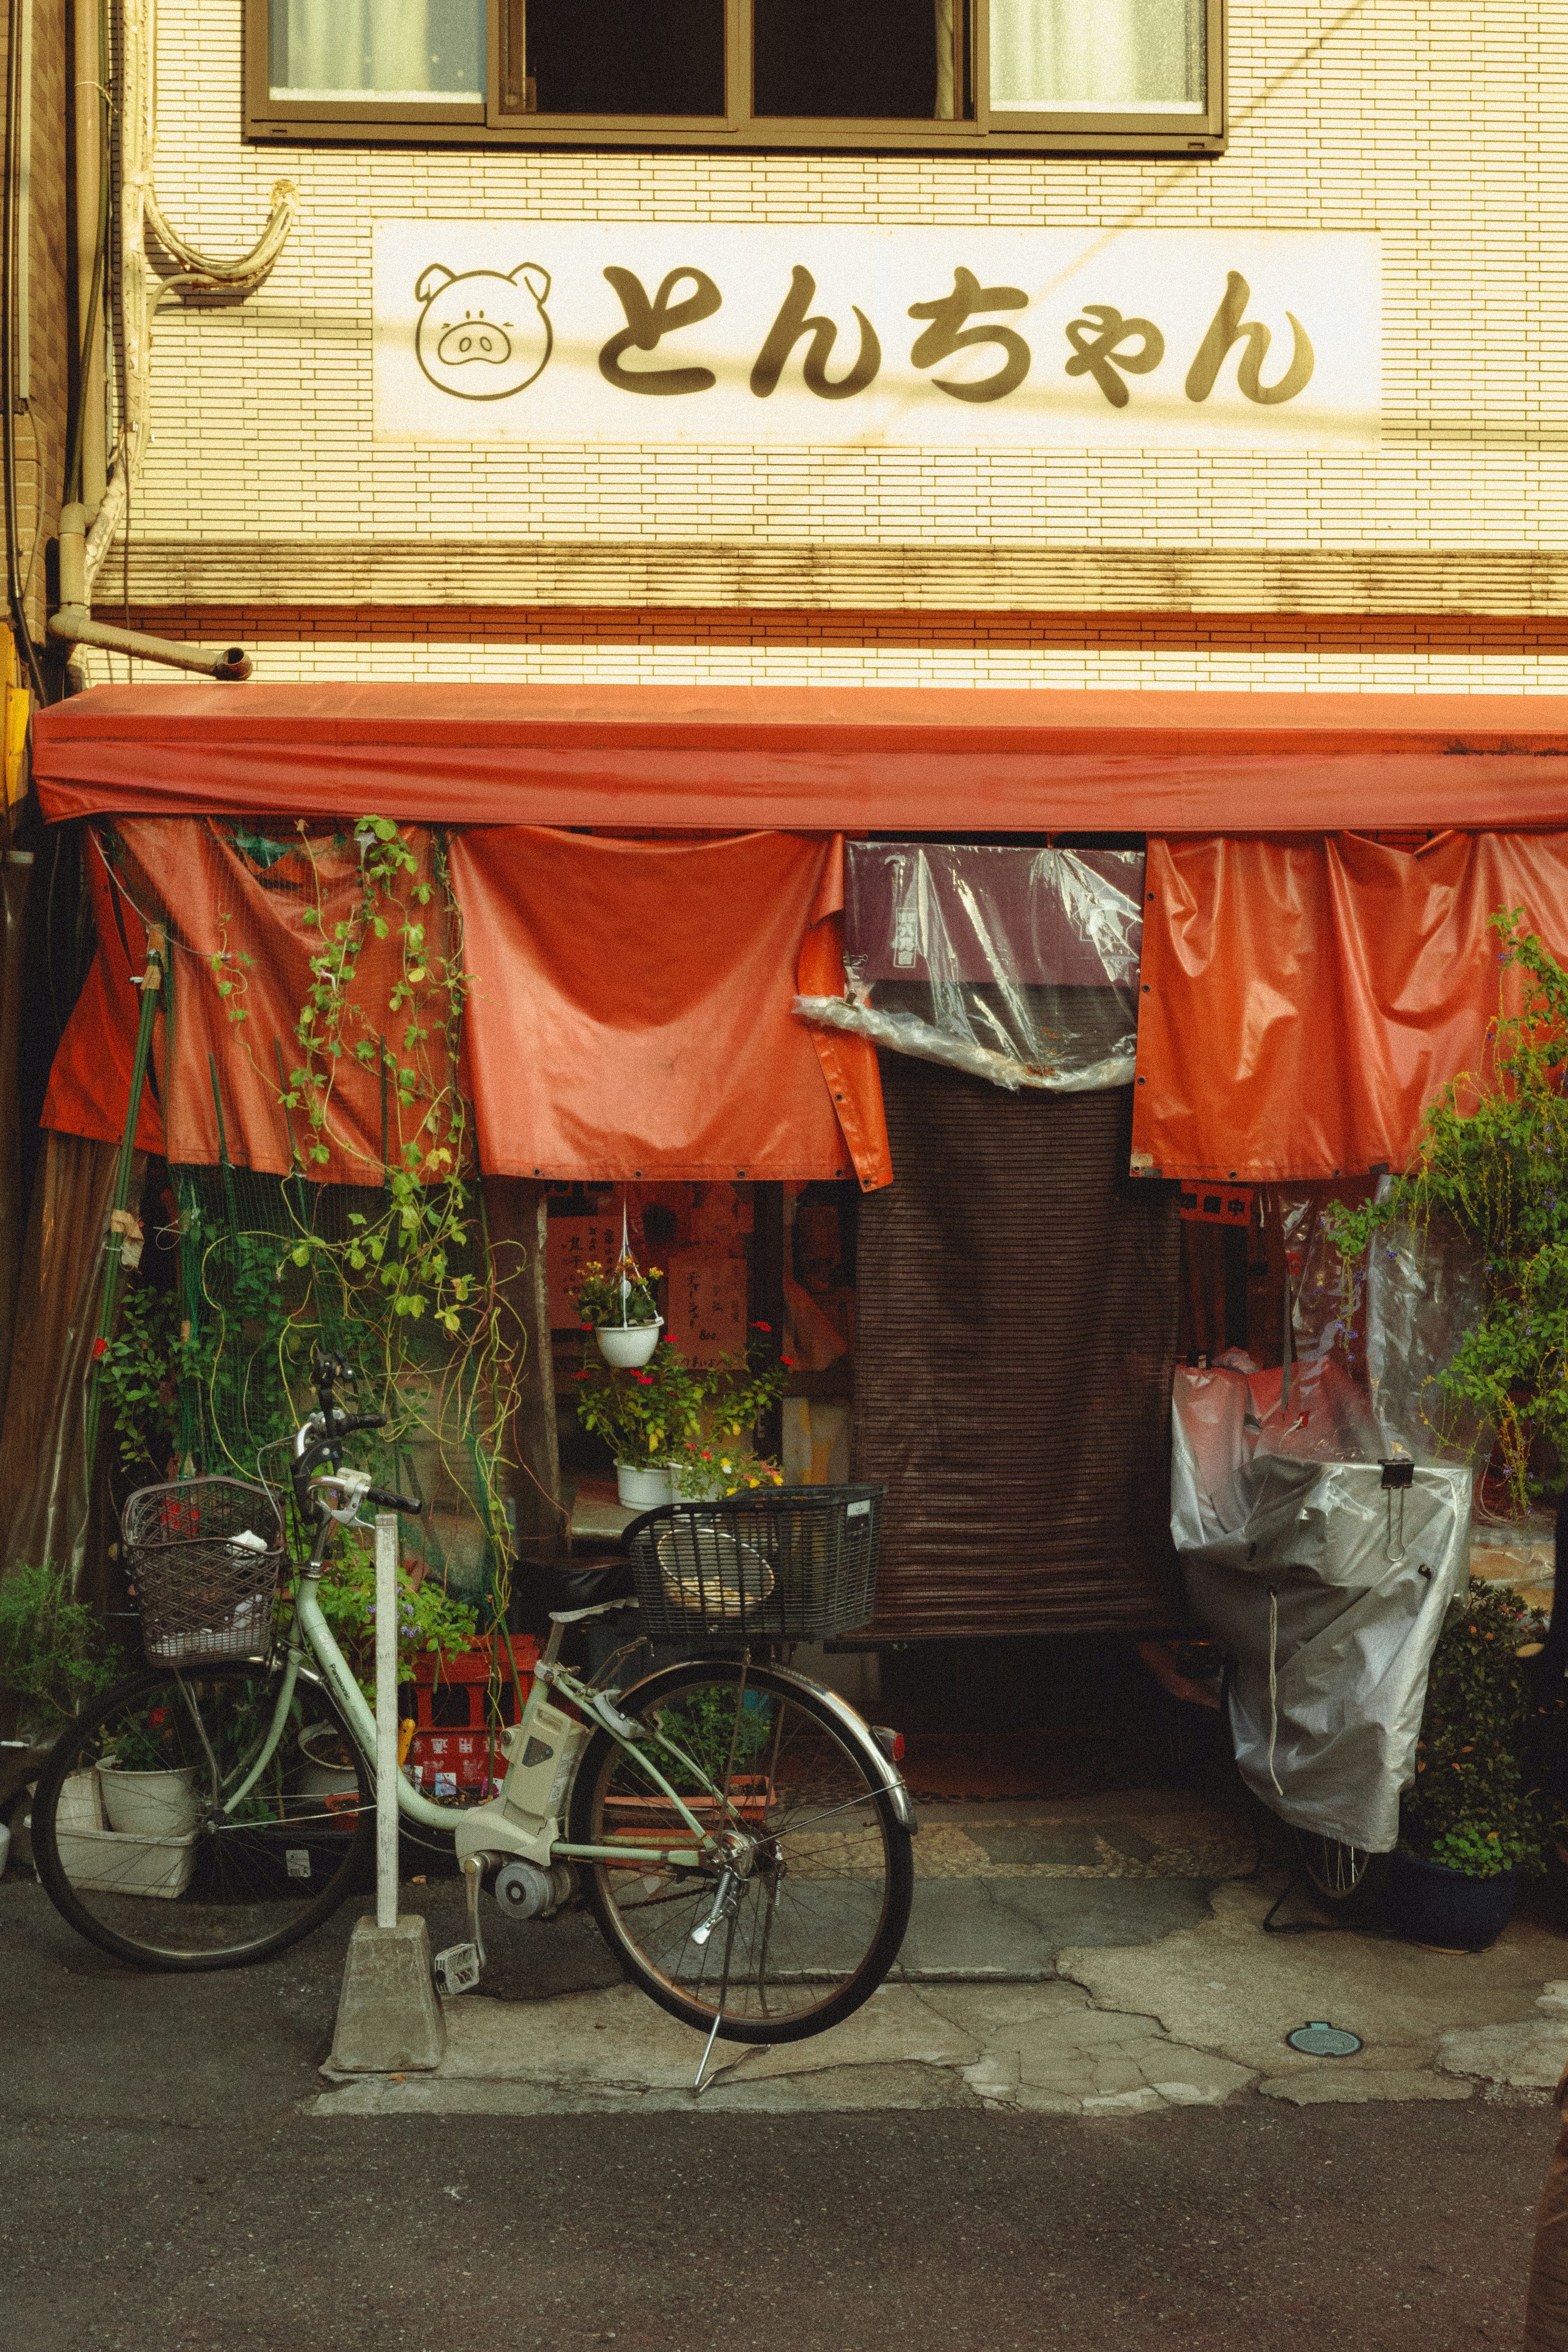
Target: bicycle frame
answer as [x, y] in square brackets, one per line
[507, 1823]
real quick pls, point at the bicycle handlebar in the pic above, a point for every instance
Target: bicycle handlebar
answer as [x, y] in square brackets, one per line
[388, 1501]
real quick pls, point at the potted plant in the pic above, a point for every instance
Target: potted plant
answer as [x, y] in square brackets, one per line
[1473, 1823]
[620, 1311]
[670, 1424]
[148, 1785]
[703, 1472]
[428, 1617]
[642, 1415]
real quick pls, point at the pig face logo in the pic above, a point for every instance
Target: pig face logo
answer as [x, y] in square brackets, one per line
[480, 335]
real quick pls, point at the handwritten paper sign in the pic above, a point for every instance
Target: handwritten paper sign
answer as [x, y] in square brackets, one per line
[908, 337]
[707, 1316]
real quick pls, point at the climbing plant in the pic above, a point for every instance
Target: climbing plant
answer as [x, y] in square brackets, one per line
[380, 1253]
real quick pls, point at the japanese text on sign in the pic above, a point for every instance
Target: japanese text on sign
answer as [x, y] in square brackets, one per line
[879, 337]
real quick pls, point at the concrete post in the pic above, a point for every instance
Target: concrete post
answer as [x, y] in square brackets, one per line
[389, 2021]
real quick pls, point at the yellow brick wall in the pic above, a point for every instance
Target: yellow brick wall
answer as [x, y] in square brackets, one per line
[1441, 125]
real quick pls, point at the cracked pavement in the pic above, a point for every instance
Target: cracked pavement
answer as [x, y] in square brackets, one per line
[1113, 2152]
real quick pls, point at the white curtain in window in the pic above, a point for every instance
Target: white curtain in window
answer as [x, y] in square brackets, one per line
[1097, 57]
[411, 51]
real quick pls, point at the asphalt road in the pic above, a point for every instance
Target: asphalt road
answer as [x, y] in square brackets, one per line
[165, 2191]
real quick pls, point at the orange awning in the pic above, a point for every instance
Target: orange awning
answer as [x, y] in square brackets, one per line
[932, 760]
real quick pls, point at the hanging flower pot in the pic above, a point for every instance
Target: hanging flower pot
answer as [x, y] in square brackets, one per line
[627, 1345]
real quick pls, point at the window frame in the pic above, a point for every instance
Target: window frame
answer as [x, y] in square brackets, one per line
[497, 123]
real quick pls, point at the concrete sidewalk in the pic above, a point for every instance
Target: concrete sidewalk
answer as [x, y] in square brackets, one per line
[1092, 1957]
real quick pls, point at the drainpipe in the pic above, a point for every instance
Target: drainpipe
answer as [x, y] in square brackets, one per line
[100, 491]
[75, 623]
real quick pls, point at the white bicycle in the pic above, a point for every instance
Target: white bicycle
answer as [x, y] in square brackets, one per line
[741, 1835]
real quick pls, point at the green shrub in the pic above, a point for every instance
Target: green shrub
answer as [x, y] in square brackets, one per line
[1474, 1807]
[51, 1653]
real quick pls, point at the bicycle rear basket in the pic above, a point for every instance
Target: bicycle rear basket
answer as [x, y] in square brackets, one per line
[203, 1556]
[778, 1564]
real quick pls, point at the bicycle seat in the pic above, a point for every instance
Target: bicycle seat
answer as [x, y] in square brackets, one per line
[594, 1583]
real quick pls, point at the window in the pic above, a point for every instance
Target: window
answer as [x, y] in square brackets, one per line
[1098, 75]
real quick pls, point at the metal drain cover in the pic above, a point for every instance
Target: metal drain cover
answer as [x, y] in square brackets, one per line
[1322, 2040]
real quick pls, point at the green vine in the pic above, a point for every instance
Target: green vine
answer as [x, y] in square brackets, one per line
[386, 1261]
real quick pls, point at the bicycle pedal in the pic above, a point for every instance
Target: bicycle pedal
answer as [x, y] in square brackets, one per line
[457, 1968]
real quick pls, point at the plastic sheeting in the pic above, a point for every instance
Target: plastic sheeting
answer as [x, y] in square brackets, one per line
[1305, 1000]
[1020, 966]
[1328, 1589]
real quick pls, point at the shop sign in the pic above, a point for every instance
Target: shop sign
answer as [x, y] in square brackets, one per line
[894, 338]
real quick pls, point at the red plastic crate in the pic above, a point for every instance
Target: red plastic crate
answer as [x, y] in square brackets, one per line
[461, 1676]
[456, 1763]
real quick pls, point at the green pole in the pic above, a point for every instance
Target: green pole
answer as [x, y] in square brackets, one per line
[114, 1240]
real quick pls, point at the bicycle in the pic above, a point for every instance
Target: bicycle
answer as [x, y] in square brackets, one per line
[741, 1835]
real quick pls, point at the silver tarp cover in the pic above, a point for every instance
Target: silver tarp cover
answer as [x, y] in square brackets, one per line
[1017, 964]
[1328, 1589]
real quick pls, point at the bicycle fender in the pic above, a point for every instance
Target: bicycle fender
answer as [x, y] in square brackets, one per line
[857, 1733]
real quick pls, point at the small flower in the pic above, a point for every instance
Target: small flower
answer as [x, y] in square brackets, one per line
[99, 1347]
[582, 1376]
[788, 1363]
[762, 1326]
[642, 1380]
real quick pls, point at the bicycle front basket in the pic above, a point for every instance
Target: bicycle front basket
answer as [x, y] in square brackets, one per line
[772, 1564]
[203, 1556]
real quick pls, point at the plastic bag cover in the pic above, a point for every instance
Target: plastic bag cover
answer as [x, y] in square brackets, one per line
[1304, 1000]
[1017, 965]
[1310, 1572]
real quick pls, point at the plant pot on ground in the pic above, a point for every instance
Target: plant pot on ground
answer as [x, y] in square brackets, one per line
[149, 1781]
[1475, 1821]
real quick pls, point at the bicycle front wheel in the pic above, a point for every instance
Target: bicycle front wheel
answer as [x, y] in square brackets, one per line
[813, 1924]
[1346, 1879]
[182, 1823]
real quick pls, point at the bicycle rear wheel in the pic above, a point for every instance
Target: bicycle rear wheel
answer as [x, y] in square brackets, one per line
[157, 1866]
[821, 1911]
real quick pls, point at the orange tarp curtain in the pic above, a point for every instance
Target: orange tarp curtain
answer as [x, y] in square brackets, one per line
[1304, 1000]
[249, 924]
[630, 1009]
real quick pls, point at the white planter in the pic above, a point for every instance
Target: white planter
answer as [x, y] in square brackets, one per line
[149, 1804]
[116, 1861]
[627, 1345]
[641, 1490]
[322, 1776]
